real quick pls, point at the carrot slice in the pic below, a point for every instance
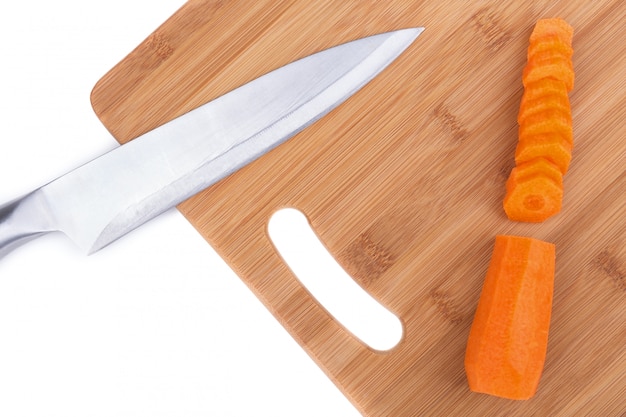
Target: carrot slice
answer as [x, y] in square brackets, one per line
[534, 191]
[556, 66]
[536, 167]
[551, 147]
[543, 105]
[533, 200]
[551, 27]
[552, 44]
[545, 52]
[548, 123]
[556, 118]
[544, 87]
[507, 342]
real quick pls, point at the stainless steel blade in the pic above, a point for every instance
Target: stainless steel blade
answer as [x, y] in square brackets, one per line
[106, 198]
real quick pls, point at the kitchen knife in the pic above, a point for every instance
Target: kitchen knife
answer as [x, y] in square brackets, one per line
[106, 198]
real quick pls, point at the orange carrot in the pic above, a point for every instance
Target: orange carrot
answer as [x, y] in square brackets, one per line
[548, 122]
[544, 87]
[507, 342]
[536, 167]
[545, 136]
[554, 43]
[550, 52]
[534, 191]
[552, 27]
[549, 146]
[545, 103]
[534, 200]
[556, 66]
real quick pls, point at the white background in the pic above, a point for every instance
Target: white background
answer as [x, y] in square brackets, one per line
[154, 325]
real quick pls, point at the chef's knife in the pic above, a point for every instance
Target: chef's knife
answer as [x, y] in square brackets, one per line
[106, 198]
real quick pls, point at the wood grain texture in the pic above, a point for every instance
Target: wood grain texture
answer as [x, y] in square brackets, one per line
[404, 184]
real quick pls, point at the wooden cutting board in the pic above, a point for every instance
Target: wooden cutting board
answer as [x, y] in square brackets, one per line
[404, 183]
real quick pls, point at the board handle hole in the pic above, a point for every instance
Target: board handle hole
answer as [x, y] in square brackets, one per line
[332, 287]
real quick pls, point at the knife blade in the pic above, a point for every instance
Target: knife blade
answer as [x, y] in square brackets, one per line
[100, 201]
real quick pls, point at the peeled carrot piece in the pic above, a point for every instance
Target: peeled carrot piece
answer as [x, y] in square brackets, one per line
[551, 27]
[533, 168]
[554, 122]
[552, 43]
[550, 52]
[533, 200]
[540, 106]
[544, 87]
[553, 114]
[541, 53]
[557, 67]
[534, 191]
[551, 147]
[508, 339]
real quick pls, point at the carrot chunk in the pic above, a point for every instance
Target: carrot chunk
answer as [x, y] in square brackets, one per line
[557, 67]
[551, 43]
[536, 167]
[534, 191]
[543, 105]
[550, 53]
[548, 123]
[551, 27]
[533, 200]
[544, 87]
[550, 146]
[507, 342]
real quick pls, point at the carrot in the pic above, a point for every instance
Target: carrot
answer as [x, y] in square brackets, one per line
[540, 105]
[551, 27]
[544, 87]
[534, 200]
[536, 167]
[534, 190]
[550, 52]
[556, 66]
[548, 122]
[549, 146]
[507, 342]
[552, 44]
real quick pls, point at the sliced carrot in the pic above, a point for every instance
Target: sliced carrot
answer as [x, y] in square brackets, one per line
[543, 105]
[534, 191]
[553, 44]
[544, 87]
[536, 167]
[551, 147]
[545, 52]
[557, 118]
[533, 200]
[556, 66]
[507, 342]
[550, 52]
[548, 123]
[551, 27]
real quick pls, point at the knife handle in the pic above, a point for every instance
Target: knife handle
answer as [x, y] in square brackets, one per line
[21, 221]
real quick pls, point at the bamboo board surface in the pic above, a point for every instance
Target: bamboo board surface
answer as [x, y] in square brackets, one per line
[404, 182]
